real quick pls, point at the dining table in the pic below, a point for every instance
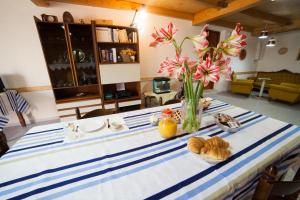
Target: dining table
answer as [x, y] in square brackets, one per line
[134, 162]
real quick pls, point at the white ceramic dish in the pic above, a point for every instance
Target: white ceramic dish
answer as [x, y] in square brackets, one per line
[89, 126]
[225, 127]
[116, 126]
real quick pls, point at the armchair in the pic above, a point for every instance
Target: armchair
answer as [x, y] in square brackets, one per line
[241, 86]
[288, 92]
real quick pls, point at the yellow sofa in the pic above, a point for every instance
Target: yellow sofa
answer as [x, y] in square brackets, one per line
[288, 92]
[241, 86]
[282, 76]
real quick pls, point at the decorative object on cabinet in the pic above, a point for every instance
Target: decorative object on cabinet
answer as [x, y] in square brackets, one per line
[49, 18]
[67, 17]
[128, 55]
[283, 51]
[104, 21]
[243, 54]
[81, 21]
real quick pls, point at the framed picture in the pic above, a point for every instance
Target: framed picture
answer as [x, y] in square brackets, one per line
[298, 57]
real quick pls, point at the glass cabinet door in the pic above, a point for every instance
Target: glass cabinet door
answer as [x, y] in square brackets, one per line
[83, 53]
[55, 49]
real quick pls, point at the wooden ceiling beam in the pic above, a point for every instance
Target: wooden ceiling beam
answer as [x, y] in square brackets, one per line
[273, 29]
[266, 16]
[40, 3]
[231, 25]
[214, 13]
[126, 5]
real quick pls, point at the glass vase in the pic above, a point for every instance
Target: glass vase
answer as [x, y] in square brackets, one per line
[191, 115]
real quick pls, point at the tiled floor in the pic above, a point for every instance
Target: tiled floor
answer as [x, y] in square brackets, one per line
[274, 109]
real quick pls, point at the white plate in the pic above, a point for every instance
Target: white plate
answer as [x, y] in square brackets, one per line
[209, 160]
[89, 126]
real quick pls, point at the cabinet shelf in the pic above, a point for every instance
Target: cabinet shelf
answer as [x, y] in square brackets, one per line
[118, 43]
[110, 101]
[69, 99]
[108, 63]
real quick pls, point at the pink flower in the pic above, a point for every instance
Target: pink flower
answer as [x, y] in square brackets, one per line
[207, 71]
[224, 67]
[177, 67]
[233, 45]
[163, 36]
[200, 41]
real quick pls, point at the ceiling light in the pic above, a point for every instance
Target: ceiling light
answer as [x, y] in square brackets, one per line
[263, 34]
[139, 17]
[271, 42]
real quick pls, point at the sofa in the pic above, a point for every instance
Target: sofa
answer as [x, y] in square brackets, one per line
[241, 86]
[288, 92]
[282, 76]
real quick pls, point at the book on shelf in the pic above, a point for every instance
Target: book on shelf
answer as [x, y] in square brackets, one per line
[123, 37]
[115, 33]
[108, 55]
[132, 37]
[105, 34]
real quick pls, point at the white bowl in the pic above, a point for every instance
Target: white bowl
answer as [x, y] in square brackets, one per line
[116, 125]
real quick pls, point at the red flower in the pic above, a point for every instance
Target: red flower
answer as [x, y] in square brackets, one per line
[163, 36]
[207, 71]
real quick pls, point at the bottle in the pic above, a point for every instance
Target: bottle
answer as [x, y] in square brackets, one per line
[167, 125]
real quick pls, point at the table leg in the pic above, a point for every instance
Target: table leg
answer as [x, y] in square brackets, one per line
[262, 88]
[21, 119]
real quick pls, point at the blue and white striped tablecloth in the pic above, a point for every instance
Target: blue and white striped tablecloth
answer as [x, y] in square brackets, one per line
[137, 163]
[16, 102]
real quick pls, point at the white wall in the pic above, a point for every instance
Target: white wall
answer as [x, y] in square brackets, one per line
[273, 61]
[22, 61]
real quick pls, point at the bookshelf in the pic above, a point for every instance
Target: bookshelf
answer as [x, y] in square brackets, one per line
[115, 67]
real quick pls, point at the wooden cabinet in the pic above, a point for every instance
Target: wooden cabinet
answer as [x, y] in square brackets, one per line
[70, 57]
[78, 61]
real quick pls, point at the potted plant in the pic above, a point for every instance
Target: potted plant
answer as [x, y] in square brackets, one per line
[211, 62]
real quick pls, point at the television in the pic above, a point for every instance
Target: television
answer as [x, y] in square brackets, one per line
[161, 85]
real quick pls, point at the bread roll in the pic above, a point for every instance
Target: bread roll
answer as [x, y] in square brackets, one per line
[195, 144]
[218, 153]
[216, 142]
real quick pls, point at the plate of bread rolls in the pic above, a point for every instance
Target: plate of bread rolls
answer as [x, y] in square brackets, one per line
[212, 150]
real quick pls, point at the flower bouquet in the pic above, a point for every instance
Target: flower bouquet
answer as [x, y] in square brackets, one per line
[211, 62]
[127, 54]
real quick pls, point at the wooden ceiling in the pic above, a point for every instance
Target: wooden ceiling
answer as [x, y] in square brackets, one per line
[254, 15]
